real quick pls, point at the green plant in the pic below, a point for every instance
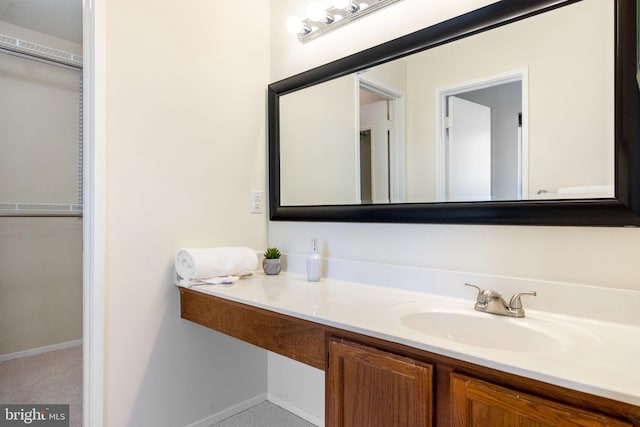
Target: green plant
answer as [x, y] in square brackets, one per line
[272, 253]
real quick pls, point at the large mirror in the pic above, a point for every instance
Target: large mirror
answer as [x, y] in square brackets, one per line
[514, 113]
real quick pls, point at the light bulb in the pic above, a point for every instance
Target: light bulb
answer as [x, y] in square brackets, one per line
[294, 25]
[341, 4]
[316, 11]
[348, 5]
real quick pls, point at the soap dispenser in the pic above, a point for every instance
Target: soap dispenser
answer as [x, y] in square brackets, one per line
[314, 262]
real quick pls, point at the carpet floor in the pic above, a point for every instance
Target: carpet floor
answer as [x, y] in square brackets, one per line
[56, 377]
[49, 378]
[265, 414]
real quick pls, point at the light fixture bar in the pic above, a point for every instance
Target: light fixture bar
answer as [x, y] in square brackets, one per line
[341, 17]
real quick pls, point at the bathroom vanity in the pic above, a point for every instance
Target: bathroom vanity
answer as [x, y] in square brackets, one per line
[382, 369]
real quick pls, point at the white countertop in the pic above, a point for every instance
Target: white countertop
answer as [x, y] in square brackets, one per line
[606, 363]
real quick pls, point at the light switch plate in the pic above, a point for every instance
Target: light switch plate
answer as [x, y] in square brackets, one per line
[256, 202]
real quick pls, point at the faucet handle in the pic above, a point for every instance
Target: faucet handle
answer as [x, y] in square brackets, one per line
[484, 295]
[479, 298]
[516, 303]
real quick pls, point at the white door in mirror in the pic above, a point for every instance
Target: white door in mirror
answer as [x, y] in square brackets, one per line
[468, 151]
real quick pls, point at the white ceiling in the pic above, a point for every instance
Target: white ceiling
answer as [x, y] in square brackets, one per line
[59, 18]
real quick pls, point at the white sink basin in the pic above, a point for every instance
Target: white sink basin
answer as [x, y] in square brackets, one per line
[469, 327]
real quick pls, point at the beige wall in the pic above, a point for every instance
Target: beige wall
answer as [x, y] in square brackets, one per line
[39, 118]
[289, 56]
[185, 144]
[41, 282]
[40, 258]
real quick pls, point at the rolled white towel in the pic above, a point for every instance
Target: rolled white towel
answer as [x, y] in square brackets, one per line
[205, 263]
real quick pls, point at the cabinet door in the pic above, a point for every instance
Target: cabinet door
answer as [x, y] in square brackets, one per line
[477, 404]
[371, 388]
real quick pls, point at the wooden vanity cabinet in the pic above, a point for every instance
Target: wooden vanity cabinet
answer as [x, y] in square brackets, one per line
[369, 387]
[373, 388]
[477, 403]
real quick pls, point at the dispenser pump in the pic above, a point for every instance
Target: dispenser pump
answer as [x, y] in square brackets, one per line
[314, 262]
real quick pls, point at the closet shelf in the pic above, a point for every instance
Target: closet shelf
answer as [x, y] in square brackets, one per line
[34, 50]
[10, 209]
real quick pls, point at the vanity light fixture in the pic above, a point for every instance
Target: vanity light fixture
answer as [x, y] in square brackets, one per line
[341, 12]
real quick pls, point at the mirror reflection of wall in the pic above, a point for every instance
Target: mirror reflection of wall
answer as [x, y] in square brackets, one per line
[320, 134]
[567, 112]
[567, 133]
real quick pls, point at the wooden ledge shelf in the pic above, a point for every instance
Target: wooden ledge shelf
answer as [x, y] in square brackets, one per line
[296, 339]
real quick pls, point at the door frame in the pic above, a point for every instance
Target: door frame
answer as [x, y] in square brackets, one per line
[372, 160]
[373, 157]
[94, 204]
[397, 144]
[441, 95]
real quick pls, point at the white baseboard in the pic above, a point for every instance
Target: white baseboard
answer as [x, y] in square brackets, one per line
[295, 410]
[236, 409]
[229, 412]
[45, 349]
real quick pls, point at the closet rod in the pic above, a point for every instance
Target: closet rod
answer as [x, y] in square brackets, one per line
[37, 58]
[35, 210]
[42, 215]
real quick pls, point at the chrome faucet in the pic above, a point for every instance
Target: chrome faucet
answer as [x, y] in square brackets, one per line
[490, 301]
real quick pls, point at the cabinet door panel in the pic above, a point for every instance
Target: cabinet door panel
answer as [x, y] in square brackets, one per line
[478, 404]
[368, 387]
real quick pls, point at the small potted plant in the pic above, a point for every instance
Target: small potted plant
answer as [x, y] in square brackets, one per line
[271, 263]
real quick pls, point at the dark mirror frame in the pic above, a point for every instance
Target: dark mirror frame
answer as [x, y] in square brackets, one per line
[623, 210]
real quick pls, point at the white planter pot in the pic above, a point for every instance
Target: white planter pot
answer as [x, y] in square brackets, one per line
[271, 266]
